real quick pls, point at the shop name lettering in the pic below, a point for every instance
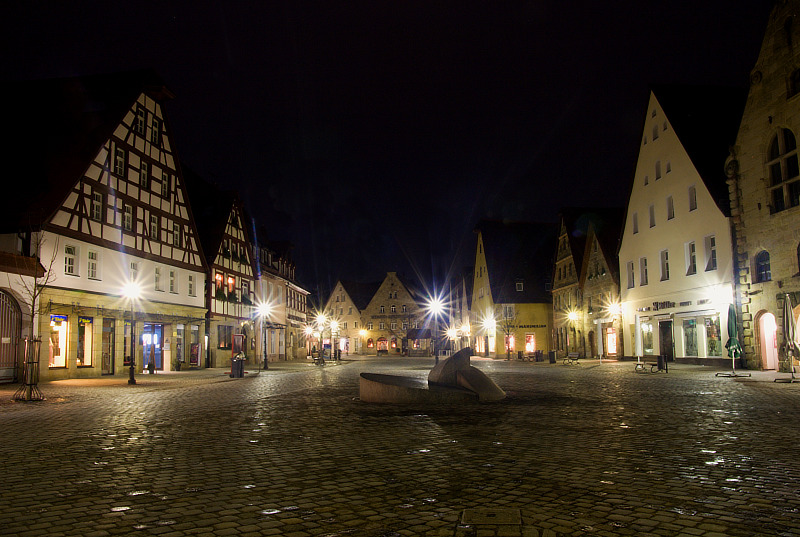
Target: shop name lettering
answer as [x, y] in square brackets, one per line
[663, 305]
[532, 326]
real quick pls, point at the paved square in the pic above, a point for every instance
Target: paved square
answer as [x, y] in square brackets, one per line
[592, 449]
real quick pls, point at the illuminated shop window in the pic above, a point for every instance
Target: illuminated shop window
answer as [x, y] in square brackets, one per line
[647, 338]
[530, 342]
[713, 342]
[84, 355]
[690, 337]
[58, 340]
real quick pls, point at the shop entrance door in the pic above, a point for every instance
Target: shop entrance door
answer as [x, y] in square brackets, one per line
[152, 337]
[107, 367]
[666, 344]
[10, 329]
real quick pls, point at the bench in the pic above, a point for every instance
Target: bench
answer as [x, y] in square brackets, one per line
[655, 367]
[572, 358]
[318, 358]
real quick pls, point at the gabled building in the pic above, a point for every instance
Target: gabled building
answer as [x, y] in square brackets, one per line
[676, 253]
[98, 196]
[346, 306]
[459, 330]
[391, 318]
[568, 321]
[511, 295]
[764, 179]
[601, 309]
[229, 295]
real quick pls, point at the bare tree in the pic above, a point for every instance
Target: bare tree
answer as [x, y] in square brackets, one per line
[507, 322]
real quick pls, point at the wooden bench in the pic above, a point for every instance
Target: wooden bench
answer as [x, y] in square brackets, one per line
[572, 358]
[641, 367]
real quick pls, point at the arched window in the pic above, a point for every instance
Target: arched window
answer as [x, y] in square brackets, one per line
[784, 172]
[763, 272]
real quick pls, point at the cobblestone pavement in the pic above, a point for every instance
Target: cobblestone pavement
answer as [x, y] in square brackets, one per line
[592, 449]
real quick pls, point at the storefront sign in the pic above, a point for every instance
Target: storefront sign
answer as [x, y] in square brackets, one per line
[663, 305]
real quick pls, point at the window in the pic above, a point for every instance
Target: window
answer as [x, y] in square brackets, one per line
[84, 354]
[134, 272]
[635, 223]
[70, 258]
[144, 176]
[405, 308]
[58, 340]
[154, 227]
[630, 275]
[127, 218]
[155, 135]
[92, 268]
[691, 258]
[176, 234]
[139, 123]
[231, 285]
[165, 184]
[191, 285]
[653, 113]
[658, 170]
[224, 336]
[652, 216]
[246, 292]
[97, 206]
[520, 286]
[655, 132]
[664, 265]
[784, 173]
[369, 325]
[692, 198]
[642, 271]
[508, 311]
[393, 325]
[665, 126]
[394, 308]
[173, 288]
[382, 325]
[157, 279]
[120, 161]
[669, 167]
[670, 208]
[646, 180]
[711, 252]
[763, 272]
[350, 310]
[383, 309]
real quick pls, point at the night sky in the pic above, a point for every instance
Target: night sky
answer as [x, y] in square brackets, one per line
[374, 135]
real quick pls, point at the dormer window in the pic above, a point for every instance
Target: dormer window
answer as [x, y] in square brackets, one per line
[520, 286]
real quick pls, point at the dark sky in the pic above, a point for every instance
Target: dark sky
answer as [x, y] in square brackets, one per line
[374, 135]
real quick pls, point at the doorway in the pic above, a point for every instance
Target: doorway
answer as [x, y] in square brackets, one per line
[10, 331]
[107, 365]
[665, 342]
[768, 340]
[152, 336]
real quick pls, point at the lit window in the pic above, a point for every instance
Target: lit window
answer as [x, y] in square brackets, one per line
[58, 340]
[664, 265]
[763, 271]
[97, 206]
[711, 253]
[231, 284]
[70, 260]
[92, 268]
[691, 258]
[784, 173]
[84, 354]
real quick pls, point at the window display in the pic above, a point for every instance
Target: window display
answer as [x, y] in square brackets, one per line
[58, 340]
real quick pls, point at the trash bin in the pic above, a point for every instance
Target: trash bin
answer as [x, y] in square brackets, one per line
[661, 360]
[552, 355]
[519, 355]
[237, 368]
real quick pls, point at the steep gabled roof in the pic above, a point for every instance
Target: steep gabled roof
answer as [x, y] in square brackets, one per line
[607, 231]
[518, 252]
[706, 121]
[360, 293]
[212, 209]
[577, 220]
[59, 126]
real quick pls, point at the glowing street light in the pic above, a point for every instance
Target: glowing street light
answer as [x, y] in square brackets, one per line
[131, 291]
[264, 310]
[435, 307]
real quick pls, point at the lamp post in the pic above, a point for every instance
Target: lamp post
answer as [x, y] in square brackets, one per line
[321, 319]
[131, 291]
[452, 334]
[362, 334]
[263, 312]
[615, 310]
[308, 331]
[436, 307]
[572, 316]
[334, 330]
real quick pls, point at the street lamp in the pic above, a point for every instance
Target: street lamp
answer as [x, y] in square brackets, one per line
[465, 334]
[436, 307]
[308, 332]
[131, 291]
[264, 311]
[572, 316]
[452, 334]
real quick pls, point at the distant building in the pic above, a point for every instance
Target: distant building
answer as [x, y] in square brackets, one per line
[764, 179]
[675, 254]
[511, 300]
[347, 305]
[391, 316]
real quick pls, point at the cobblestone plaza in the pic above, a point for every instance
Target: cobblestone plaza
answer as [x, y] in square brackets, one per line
[592, 449]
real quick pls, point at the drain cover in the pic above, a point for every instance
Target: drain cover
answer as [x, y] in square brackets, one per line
[491, 516]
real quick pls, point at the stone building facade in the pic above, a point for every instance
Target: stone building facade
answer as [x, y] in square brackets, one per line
[764, 188]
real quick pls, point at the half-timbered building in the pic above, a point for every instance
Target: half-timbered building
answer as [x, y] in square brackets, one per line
[229, 295]
[99, 190]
